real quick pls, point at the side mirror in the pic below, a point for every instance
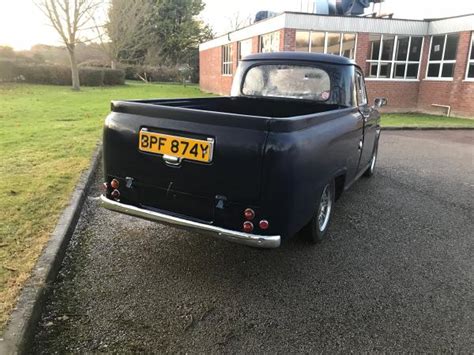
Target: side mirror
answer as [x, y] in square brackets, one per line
[379, 102]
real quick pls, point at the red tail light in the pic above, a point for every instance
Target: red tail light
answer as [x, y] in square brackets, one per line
[263, 224]
[115, 184]
[248, 226]
[249, 214]
[115, 194]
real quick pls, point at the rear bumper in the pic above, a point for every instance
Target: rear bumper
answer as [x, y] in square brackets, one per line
[259, 241]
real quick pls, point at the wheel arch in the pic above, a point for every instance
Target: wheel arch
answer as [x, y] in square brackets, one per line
[339, 181]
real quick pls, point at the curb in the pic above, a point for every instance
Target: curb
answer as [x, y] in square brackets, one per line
[18, 336]
[427, 128]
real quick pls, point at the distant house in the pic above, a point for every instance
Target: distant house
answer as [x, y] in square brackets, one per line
[419, 65]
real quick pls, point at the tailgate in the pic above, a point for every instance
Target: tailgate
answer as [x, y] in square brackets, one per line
[225, 164]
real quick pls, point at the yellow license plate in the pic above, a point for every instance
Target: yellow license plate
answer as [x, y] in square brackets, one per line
[176, 146]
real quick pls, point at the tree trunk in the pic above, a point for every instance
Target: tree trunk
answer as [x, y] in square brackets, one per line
[113, 64]
[76, 85]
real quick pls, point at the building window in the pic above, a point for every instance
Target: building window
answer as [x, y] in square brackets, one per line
[394, 57]
[348, 45]
[333, 43]
[245, 48]
[318, 42]
[270, 42]
[470, 62]
[302, 41]
[326, 42]
[442, 56]
[226, 67]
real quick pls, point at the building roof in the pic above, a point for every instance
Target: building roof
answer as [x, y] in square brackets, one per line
[303, 56]
[354, 24]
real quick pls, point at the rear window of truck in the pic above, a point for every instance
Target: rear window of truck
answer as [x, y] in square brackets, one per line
[289, 81]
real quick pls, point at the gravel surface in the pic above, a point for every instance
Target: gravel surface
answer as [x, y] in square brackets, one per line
[395, 274]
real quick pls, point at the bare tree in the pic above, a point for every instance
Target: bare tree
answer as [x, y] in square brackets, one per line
[237, 21]
[127, 30]
[69, 18]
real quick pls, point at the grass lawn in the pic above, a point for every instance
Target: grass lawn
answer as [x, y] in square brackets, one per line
[47, 136]
[421, 120]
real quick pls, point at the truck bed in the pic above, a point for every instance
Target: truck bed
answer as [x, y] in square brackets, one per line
[265, 107]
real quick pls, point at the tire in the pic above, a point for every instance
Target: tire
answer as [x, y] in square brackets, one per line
[317, 228]
[371, 169]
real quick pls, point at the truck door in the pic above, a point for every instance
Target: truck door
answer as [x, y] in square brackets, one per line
[370, 117]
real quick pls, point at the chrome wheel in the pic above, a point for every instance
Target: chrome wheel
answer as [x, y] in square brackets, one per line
[324, 210]
[372, 163]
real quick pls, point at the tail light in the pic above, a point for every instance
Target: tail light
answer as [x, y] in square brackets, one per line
[248, 226]
[115, 184]
[263, 224]
[115, 194]
[249, 214]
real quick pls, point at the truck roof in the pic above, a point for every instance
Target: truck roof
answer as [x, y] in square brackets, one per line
[311, 57]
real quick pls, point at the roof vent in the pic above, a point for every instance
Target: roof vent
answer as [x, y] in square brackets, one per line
[342, 7]
[263, 15]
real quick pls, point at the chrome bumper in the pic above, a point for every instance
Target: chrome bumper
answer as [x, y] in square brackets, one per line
[260, 241]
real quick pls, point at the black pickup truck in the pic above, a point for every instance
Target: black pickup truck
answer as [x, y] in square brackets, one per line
[255, 167]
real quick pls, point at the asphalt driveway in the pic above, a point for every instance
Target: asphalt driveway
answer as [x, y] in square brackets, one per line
[396, 274]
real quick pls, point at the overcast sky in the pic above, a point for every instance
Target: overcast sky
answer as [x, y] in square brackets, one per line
[22, 24]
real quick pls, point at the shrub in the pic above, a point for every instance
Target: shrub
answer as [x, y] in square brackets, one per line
[46, 74]
[150, 73]
[58, 74]
[130, 72]
[93, 63]
[91, 76]
[8, 70]
[114, 77]
[165, 74]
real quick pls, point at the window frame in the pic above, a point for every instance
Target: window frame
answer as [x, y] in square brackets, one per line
[469, 60]
[393, 61]
[227, 64]
[341, 40]
[360, 86]
[442, 61]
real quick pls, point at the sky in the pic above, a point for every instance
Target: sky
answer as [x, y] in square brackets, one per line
[23, 25]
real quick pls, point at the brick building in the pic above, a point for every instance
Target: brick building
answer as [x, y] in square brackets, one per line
[425, 65]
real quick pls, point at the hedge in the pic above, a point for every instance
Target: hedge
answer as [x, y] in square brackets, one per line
[58, 75]
[91, 77]
[155, 74]
[45, 74]
[8, 71]
[114, 76]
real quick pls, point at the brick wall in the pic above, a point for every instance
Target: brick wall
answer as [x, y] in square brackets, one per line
[287, 39]
[210, 76]
[457, 93]
[401, 95]
[362, 50]
[255, 44]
